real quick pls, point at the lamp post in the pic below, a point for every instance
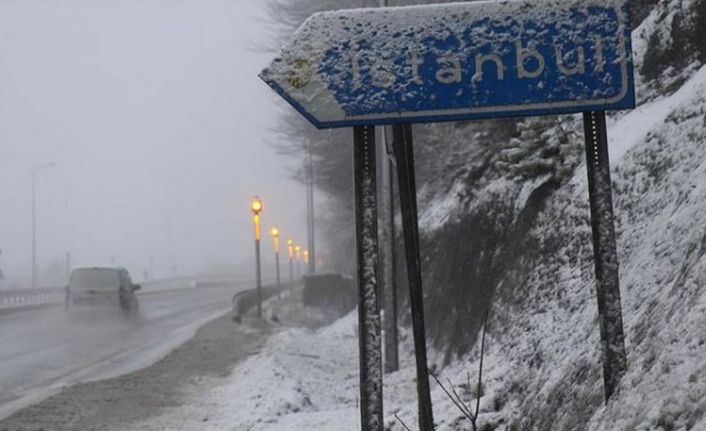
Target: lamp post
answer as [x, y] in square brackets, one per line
[297, 255]
[256, 207]
[34, 218]
[1, 274]
[67, 267]
[306, 260]
[275, 241]
[290, 249]
[311, 221]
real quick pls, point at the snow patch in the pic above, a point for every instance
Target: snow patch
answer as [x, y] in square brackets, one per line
[631, 129]
[439, 212]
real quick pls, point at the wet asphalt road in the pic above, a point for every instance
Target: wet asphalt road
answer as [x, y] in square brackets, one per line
[43, 349]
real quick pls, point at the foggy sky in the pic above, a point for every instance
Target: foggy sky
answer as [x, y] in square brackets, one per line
[157, 122]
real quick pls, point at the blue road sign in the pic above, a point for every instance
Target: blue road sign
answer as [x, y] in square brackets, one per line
[457, 61]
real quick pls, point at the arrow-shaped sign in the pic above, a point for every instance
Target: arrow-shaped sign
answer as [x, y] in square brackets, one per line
[457, 61]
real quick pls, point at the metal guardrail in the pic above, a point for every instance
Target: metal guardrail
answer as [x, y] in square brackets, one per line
[247, 299]
[15, 298]
[18, 298]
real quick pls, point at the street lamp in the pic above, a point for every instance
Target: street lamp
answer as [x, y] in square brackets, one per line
[256, 207]
[297, 255]
[34, 218]
[290, 249]
[306, 258]
[275, 240]
[1, 274]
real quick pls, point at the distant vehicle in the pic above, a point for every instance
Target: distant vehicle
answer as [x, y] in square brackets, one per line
[94, 287]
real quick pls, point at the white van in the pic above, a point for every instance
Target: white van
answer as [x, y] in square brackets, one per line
[94, 287]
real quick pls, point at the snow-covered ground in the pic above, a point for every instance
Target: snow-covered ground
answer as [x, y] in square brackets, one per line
[301, 379]
[304, 380]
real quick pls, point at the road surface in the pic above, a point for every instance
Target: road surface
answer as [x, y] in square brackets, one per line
[44, 349]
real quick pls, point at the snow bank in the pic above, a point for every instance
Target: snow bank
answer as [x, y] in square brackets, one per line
[300, 380]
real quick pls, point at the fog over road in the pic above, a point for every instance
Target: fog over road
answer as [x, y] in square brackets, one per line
[43, 349]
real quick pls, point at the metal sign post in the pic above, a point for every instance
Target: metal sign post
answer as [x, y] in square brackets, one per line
[392, 359]
[392, 362]
[404, 155]
[366, 233]
[605, 251]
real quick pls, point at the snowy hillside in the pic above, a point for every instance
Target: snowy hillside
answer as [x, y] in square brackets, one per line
[544, 360]
[550, 340]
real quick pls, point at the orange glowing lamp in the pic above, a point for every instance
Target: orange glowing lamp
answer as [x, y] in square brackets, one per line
[256, 207]
[275, 238]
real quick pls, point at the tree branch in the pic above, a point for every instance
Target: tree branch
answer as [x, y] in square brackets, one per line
[402, 422]
[451, 397]
[480, 368]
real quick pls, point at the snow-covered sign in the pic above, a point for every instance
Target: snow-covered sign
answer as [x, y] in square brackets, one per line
[457, 61]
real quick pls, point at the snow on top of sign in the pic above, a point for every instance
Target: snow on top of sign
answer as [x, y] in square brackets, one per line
[371, 56]
[395, 26]
[388, 24]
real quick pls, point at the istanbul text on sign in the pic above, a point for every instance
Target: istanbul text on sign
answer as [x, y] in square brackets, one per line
[458, 61]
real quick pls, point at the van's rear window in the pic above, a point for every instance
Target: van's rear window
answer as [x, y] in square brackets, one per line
[94, 279]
